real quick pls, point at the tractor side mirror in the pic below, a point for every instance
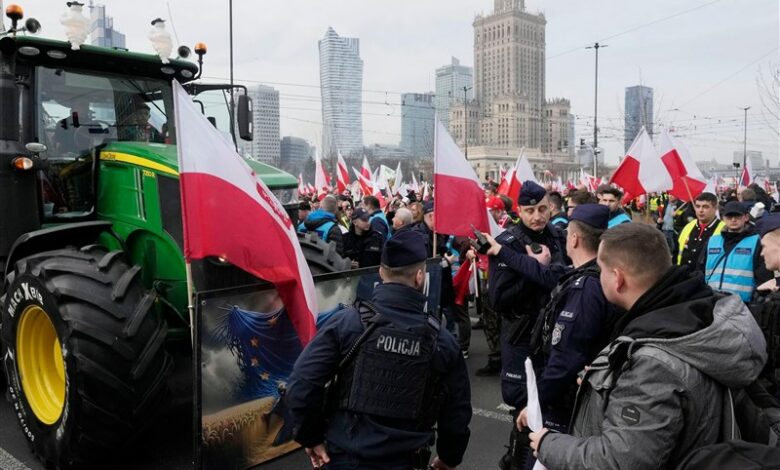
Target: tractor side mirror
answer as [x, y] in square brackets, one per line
[245, 115]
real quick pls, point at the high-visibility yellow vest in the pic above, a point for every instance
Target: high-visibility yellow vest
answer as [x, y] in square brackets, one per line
[682, 241]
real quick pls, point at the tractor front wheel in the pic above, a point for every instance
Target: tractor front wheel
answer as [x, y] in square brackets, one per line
[84, 353]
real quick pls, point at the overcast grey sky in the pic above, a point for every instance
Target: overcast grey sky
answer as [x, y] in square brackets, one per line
[705, 62]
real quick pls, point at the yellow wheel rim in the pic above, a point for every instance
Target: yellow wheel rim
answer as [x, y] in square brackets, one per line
[41, 365]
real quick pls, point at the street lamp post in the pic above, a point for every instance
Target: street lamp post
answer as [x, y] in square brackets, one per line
[466, 121]
[744, 148]
[596, 46]
[736, 175]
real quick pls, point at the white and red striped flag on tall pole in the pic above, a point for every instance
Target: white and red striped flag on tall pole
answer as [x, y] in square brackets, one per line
[641, 170]
[747, 176]
[301, 185]
[688, 182]
[365, 170]
[522, 173]
[458, 196]
[342, 174]
[226, 209]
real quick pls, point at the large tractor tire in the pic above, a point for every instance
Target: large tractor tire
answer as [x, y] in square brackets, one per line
[85, 354]
[321, 256]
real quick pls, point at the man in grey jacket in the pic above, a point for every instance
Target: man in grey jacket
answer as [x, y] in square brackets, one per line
[656, 392]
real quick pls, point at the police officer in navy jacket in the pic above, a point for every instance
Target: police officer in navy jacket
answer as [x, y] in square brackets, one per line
[407, 375]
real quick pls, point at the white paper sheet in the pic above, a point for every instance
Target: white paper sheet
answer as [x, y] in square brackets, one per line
[535, 421]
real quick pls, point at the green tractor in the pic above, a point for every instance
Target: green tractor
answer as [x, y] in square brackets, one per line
[94, 297]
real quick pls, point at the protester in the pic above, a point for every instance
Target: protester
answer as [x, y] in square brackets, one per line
[417, 212]
[557, 216]
[656, 392]
[732, 262]
[695, 235]
[362, 244]
[323, 222]
[610, 196]
[402, 219]
[376, 216]
[578, 197]
[345, 212]
[373, 421]
[666, 223]
[304, 209]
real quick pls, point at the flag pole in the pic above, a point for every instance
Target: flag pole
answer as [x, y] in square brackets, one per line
[190, 306]
[475, 269]
[688, 189]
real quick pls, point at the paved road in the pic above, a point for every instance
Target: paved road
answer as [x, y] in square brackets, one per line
[169, 445]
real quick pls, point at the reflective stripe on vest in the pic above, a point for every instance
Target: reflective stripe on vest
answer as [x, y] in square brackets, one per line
[682, 240]
[732, 272]
[559, 219]
[621, 218]
[323, 230]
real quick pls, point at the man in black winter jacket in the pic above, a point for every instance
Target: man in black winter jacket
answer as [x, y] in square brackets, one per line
[362, 244]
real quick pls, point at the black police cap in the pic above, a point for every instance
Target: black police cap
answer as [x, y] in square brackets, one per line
[427, 207]
[595, 215]
[768, 224]
[404, 248]
[531, 194]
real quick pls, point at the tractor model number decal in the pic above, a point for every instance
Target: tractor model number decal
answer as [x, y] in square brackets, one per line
[22, 293]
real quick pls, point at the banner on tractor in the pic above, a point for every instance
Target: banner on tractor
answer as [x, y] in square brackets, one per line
[246, 349]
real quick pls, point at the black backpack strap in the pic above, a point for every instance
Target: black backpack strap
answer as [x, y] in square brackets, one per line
[369, 317]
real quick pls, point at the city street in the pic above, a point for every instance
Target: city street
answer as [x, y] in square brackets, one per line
[168, 446]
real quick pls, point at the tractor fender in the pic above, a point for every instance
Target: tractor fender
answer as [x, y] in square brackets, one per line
[51, 238]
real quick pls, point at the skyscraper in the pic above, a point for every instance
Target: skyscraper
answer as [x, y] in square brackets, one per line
[341, 84]
[509, 75]
[450, 80]
[102, 28]
[417, 113]
[638, 113]
[294, 154]
[264, 147]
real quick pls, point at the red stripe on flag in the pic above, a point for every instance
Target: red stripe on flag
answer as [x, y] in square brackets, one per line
[460, 202]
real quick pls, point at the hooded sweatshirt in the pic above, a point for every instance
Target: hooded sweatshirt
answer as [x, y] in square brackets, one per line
[656, 393]
[316, 222]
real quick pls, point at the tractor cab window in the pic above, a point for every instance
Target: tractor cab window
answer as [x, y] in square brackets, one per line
[78, 114]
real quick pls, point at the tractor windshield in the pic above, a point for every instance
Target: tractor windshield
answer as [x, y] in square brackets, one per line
[79, 111]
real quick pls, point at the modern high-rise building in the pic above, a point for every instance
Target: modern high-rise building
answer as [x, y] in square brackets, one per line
[264, 147]
[509, 75]
[341, 85]
[754, 157]
[638, 112]
[102, 28]
[294, 154]
[417, 124]
[450, 83]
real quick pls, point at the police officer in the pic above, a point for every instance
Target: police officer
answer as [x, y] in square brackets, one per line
[404, 376]
[577, 321]
[517, 298]
[732, 262]
[363, 244]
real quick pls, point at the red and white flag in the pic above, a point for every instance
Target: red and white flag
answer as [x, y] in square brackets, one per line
[321, 177]
[398, 182]
[342, 174]
[226, 209]
[414, 186]
[458, 197]
[747, 176]
[522, 173]
[366, 185]
[688, 182]
[641, 170]
[310, 189]
[365, 170]
[506, 180]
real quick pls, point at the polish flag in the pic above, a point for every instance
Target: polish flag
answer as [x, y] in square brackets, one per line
[301, 185]
[688, 182]
[641, 170]
[366, 185]
[590, 182]
[365, 170]
[310, 189]
[523, 172]
[506, 180]
[747, 176]
[342, 174]
[321, 177]
[459, 200]
[226, 208]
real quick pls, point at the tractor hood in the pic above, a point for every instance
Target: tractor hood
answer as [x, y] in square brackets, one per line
[163, 158]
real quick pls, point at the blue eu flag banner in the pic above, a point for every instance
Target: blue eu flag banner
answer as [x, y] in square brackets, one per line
[266, 347]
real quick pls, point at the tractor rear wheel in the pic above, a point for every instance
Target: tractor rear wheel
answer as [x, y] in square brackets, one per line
[85, 353]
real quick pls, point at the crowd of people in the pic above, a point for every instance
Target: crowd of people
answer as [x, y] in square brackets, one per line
[643, 321]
